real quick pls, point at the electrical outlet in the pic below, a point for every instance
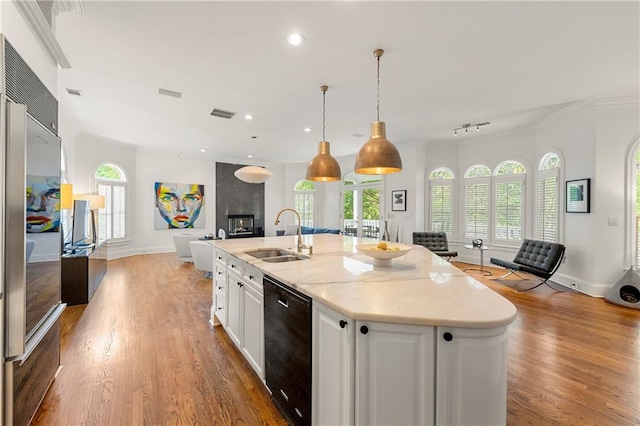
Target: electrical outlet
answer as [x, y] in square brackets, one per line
[613, 221]
[574, 286]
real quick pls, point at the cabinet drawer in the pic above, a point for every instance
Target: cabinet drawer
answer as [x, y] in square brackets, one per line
[253, 277]
[220, 308]
[234, 264]
[221, 273]
[220, 286]
[221, 258]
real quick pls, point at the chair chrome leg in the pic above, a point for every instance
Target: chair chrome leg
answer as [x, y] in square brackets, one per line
[509, 273]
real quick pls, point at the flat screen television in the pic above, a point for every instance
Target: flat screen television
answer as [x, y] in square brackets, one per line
[80, 234]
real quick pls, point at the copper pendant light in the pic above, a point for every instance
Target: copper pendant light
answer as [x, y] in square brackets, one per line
[323, 167]
[378, 156]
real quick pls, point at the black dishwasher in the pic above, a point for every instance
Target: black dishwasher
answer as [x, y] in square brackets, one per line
[287, 335]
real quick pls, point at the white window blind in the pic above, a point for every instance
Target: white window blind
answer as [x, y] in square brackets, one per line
[547, 209]
[509, 203]
[112, 217]
[441, 207]
[477, 211]
[305, 206]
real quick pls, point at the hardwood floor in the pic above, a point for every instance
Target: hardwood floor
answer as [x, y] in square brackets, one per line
[142, 352]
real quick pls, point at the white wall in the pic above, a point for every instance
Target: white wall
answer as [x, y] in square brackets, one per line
[573, 133]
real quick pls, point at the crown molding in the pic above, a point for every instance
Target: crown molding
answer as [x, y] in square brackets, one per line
[39, 24]
[575, 106]
[66, 6]
[617, 99]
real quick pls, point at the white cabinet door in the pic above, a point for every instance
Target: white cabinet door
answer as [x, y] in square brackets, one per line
[471, 376]
[253, 329]
[394, 374]
[234, 307]
[332, 367]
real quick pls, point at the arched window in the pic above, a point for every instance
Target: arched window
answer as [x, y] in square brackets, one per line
[548, 198]
[305, 200]
[111, 182]
[441, 200]
[509, 195]
[477, 179]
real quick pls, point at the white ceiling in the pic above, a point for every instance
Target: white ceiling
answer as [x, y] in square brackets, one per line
[445, 64]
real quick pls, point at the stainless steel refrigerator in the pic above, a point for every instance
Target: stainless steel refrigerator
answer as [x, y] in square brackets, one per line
[32, 238]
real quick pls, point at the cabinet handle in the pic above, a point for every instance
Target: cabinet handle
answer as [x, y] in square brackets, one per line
[221, 307]
[240, 284]
[364, 329]
[284, 303]
[233, 266]
[343, 323]
[448, 336]
[250, 277]
[219, 272]
[284, 394]
[219, 258]
[219, 288]
[298, 412]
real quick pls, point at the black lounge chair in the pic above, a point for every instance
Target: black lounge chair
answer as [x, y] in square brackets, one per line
[436, 242]
[539, 258]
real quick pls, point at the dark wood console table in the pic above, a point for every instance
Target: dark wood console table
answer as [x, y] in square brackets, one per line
[82, 272]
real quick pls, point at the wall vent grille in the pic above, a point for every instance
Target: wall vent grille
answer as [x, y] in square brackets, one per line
[24, 87]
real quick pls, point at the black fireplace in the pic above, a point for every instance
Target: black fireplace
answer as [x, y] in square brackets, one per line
[240, 225]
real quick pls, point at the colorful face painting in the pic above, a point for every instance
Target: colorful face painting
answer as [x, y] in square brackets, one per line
[43, 204]
[179, 205]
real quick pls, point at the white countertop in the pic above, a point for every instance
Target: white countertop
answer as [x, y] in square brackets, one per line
[417, 288]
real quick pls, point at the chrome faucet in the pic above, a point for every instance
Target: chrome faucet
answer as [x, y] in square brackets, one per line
[300, 245]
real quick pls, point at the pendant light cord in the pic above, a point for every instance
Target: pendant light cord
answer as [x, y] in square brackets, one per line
[378, 93]
[324, 94]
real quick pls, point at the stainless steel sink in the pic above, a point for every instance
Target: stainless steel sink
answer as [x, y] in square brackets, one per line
[275, 255]
[280, 259]
[267, 252]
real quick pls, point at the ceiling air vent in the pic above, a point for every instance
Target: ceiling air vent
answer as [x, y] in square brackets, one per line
[222, 114]
[74, 92]
[171, 93]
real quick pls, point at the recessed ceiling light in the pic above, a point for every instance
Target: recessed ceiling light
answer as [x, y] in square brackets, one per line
[295, 39]
[307, 129]
[203, 150]
[250, 156]
[248, 117]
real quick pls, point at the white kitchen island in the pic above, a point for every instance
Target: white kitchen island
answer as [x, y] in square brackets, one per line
[417, 342]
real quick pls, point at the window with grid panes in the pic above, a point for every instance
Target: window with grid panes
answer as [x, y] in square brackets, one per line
[548, 198]
[508, 181]
[305, 194]
[441, 200]
[476, 189]
[112, 184]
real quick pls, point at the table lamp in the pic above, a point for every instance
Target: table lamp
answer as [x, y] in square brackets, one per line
[96, 202]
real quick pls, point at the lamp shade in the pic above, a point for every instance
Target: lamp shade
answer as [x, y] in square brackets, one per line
[323, 167]
[66, 196]
[95, 201]
[253, 174]
[378, 156]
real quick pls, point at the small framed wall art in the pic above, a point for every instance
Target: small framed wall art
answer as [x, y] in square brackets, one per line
[399, 200]
[578, 196]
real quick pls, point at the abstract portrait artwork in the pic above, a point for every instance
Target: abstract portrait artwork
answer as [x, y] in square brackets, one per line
[43, 204]
[179, 206]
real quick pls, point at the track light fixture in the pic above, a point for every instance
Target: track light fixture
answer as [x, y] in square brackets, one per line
[466, 127]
